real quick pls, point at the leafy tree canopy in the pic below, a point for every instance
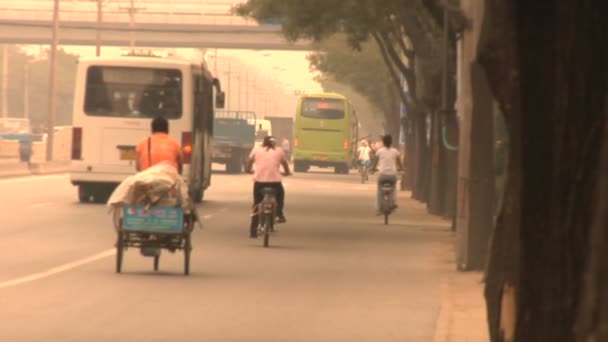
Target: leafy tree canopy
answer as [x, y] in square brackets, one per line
[362, 70]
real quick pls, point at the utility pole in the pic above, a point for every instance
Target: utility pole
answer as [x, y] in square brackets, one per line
[4, 80]
[26, 90]
[238, 77]
[228, 94]
[98, 38]
[132, 10]
[215, 64]
[254, 95]
[52, 83]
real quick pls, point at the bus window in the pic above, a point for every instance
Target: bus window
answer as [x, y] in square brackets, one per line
[320, 108]
[133, 92]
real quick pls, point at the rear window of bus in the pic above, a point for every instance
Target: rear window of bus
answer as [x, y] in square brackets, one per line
[133, 92]
[320, 108]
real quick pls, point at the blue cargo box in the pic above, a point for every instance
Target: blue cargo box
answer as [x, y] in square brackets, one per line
[155, 219]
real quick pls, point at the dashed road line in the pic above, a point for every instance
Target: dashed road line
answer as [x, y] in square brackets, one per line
[58, 269]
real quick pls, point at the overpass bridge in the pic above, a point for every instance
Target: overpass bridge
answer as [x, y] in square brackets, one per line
[150, 23]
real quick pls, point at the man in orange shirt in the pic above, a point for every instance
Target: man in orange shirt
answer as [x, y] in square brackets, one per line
[159, 147]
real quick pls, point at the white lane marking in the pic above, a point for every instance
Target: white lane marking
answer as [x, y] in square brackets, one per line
[58, 269]
[43, 204]
[70, 265]
[32, 178]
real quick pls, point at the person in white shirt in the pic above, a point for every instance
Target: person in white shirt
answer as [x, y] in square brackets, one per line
[364, 154]
[267, 159]
[387, 163]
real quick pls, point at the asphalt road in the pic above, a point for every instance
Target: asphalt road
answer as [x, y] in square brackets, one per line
[334, 272]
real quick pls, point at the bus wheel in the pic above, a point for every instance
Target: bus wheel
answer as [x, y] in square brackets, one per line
[84, 193]
[300, 167]
[341, 169]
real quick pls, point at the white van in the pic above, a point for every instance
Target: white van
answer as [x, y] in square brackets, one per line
[115, 100]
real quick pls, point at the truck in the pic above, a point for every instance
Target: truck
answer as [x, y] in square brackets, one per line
[282, 128]
[233, 139]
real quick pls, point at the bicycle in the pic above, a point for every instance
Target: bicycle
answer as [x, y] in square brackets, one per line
[267, 212]
[387, 204]
[363, 167]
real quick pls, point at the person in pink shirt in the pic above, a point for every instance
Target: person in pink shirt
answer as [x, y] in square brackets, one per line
[267, 160]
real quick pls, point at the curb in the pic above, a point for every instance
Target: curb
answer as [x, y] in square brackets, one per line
[21, 169]
[15, 171]
[47, 168]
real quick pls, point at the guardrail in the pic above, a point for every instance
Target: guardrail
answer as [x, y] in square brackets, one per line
[116, 11]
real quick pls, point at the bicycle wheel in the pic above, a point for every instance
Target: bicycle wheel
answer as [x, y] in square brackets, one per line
[386, 209]
[187, 251]
[267, 228]
[119, 252]
[156, 262]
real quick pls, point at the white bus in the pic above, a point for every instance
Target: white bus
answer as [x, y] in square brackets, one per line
[115, 100]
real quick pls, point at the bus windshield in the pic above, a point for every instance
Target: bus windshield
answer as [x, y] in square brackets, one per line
[320, 108]
[133, 92]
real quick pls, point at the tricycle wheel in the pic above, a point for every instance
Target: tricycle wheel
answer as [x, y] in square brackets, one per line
[187, 250]
[119, 252]
[156, 260]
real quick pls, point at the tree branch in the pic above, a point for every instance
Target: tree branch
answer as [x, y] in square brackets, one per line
[392, 72]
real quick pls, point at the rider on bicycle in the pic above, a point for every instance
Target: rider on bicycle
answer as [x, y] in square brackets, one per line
[388, 163]
[364, 155]
[267, 159]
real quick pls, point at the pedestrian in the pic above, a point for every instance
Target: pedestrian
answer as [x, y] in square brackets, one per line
[286, 148]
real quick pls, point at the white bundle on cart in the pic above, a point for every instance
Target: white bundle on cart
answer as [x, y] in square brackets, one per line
[159, 185]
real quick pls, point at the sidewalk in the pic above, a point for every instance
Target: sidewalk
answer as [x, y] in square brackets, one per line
[462, 316]
[16, 168]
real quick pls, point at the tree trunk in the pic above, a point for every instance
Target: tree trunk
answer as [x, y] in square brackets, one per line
[451, 165]
[593, 312]
[547, 63]
[438, 168]
[407, 179]
[421, 180]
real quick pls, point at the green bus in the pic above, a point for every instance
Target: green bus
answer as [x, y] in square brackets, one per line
[326, 132]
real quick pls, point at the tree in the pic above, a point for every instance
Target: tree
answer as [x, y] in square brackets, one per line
[37, 80]
[363, 70]
[406, 33]
[547, 66]
[66, 78]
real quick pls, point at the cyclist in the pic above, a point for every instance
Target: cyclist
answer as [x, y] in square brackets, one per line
[387, 163]
[159, 147]
[364, 156]
[267, 159]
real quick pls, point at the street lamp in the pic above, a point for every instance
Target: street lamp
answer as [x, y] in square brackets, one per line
[98, 36]
[52, 83]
